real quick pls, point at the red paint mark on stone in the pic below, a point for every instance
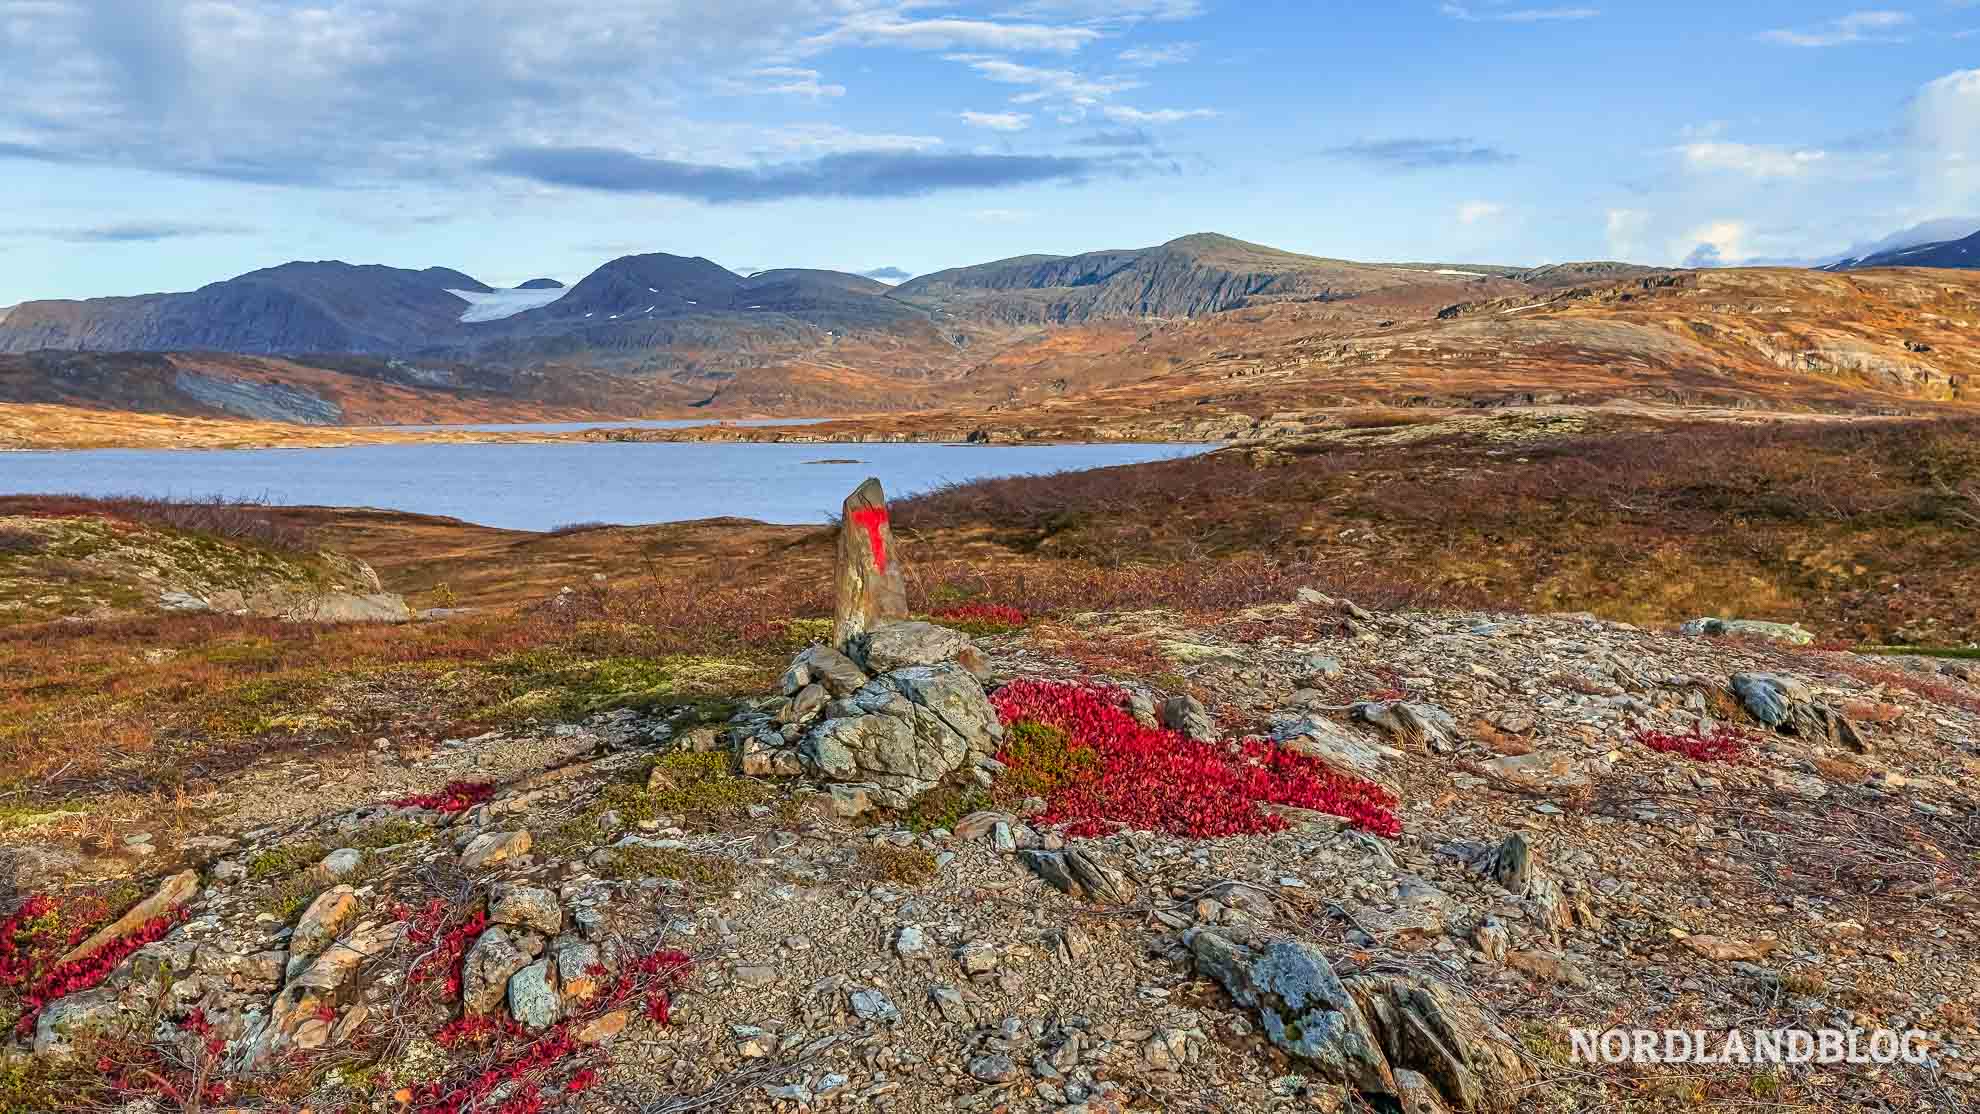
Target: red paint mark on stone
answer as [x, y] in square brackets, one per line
[873, 518]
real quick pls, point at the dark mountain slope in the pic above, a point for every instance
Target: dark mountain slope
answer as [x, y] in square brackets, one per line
[297, 307]
[1962, 254]
[1186, 277]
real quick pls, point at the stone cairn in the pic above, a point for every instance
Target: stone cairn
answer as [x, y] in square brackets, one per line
[892, 707]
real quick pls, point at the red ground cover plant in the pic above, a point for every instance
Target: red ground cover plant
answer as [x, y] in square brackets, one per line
[1155, 778]
[1721, 745]
[458, 796]
[442, 947]
[531, 1069]
[34, 937]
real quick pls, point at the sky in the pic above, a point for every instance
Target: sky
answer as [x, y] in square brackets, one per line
[163, 144]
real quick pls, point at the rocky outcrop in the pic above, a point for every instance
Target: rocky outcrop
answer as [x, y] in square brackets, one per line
[1787, 705]
[1367, 1031]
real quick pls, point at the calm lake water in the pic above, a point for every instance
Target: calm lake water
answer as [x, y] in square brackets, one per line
[539, 487]
[622, 423]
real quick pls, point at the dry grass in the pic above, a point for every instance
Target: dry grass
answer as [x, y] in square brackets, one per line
[1857, 529]
[236, 520]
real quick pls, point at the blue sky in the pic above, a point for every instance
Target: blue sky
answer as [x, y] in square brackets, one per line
[164, 144]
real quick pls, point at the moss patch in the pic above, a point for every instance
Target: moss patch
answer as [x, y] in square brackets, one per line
[902, 866]
[285, 861]
[635, 862]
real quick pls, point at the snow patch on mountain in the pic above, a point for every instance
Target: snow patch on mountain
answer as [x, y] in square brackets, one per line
[497, 304]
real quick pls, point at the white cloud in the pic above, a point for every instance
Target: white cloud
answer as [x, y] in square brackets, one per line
[1475, 212]
[1001, 216]
[1856, 27]
[889, 29]
[1624, 230]
[1122, 114]
[1945, 126]
[1109, 11]
[1049, 85]
[785, 80]
[998, 121]
[1499, 14]
[1148, 57]
[1717, 243]
[1752, 160]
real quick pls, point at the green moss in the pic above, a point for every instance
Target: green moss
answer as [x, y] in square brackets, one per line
[1042, 759]
[629, 863]
[699, 788]
[805, 632]
[944, 806]
[285, 861]
[388, 833]
[37, 1085]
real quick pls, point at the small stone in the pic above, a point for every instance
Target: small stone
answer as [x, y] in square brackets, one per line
[977, 958]
[872, 1005]
[602, 1028]
[492, 848]
[527, 907]
[912, 943]
[993, 1067]
[340, 864]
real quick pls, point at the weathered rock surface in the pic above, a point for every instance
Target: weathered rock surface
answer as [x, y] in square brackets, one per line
[904, 733]
[1304, 1007]
[906, 644]
[1790, 633]
[1424, 725]
[1787, 705]
[177, 890]
[1080, 874]
[871, 589]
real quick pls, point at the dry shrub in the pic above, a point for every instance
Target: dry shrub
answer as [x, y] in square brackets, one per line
[14, 543]
[240, 520]
[1383, 417]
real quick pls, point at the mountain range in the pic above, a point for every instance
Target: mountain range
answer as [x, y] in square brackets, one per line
[333, 343]
[1961, 253]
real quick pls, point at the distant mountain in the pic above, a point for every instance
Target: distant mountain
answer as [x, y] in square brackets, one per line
[651, 331]
[1186, 277]
[296, 307]
[1964, 253]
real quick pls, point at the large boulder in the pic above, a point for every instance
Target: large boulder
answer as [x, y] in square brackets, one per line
[1368, 1032]
[826, 668]
[904, 732]
[1709, 626]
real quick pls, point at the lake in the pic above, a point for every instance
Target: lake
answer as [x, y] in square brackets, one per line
[622, 423]
[543, 486]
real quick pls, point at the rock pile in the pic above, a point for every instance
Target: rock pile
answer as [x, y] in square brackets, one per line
[883, 737]
[893, 708]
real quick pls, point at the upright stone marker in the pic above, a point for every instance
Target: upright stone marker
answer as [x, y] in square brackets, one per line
[871, 589]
